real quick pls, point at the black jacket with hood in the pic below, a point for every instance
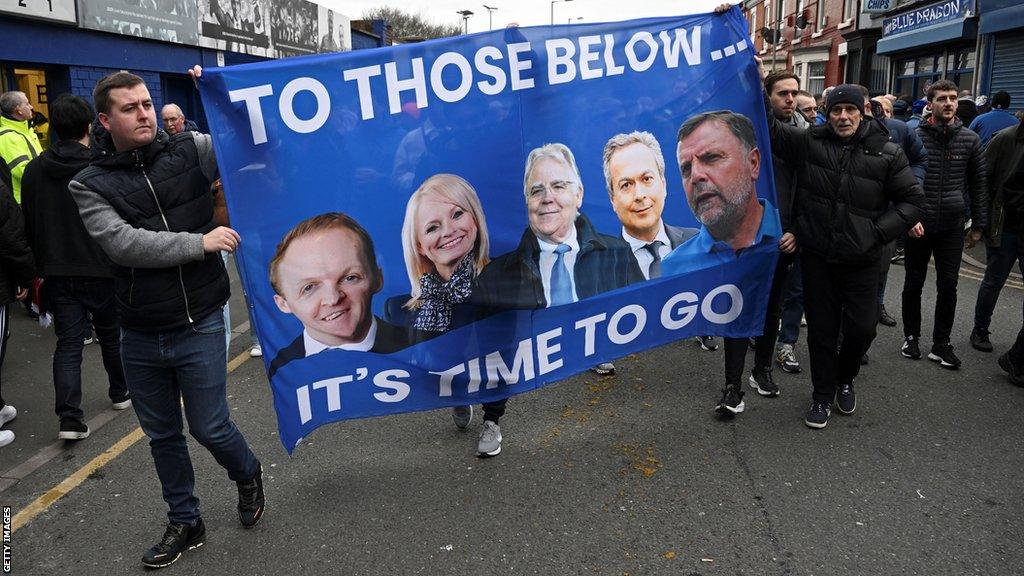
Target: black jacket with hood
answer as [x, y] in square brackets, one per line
[55, 231]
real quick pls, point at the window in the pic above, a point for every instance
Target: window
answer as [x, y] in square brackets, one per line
[822, 16]
[849, 6]
[913, 74]
[960, 68]
[879, 74]
[797, 32]
[816, 77]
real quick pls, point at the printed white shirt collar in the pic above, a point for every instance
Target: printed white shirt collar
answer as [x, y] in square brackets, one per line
[314, 346]
[637, 244]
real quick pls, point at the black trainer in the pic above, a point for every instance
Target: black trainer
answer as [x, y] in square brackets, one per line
[251, 499]
[761, 379]
[177, 538]
[707, 343]
[943, 354]
[1014, 371]
[71, 429]
[911, 348]
[980, 341]
[884, 318]
[846, 399]
[731, 403]
[817, 415]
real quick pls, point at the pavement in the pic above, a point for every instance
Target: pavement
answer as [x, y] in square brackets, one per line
[624, 474]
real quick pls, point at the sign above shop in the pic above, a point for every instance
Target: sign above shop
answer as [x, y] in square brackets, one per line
[930, 15]
[53, 10]
[878, 6]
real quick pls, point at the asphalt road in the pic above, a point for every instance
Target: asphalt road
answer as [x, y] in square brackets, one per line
[626, 474]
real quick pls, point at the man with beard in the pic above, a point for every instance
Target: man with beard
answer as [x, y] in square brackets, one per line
[955, 181]
[720, 163]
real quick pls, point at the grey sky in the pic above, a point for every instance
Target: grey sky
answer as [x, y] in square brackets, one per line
[528, 12]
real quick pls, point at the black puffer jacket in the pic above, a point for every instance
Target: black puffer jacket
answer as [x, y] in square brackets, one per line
[956, 169]
[852, 196]
[17, 266]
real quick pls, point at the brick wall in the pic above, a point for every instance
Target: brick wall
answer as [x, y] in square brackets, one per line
[84, 78]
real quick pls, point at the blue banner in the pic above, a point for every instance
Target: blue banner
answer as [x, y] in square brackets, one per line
[465, 219]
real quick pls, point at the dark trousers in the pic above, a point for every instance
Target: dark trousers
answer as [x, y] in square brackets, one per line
[736, 348]
[998, 265]
[71, 300]
[5, 333]
[947, 247]
[185, 365]
[493, 411]
[845, 298]
[883, 276]
[792, 305]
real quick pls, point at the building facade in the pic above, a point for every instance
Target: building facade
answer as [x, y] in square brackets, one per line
[62, 46]
[805, 36]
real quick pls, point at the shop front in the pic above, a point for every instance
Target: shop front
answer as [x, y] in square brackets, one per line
[931, 42]
[1002, 42]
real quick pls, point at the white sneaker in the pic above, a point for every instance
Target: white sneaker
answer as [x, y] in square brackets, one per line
[490, 440]
[7, 413]
[6, 437]
[256, 351]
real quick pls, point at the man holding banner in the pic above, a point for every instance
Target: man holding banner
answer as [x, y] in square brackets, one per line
[147, 201]
[855, 193]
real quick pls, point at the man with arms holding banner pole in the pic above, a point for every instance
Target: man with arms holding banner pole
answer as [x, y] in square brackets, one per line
[855, 193]
[147, 201]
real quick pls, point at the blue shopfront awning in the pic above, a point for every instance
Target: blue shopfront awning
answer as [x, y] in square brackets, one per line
[962, 28]
[1002, 19]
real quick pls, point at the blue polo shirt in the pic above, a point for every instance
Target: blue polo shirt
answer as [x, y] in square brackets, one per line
[703, 251]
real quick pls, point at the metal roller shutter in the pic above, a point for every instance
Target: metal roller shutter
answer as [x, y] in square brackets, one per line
[1008, 67]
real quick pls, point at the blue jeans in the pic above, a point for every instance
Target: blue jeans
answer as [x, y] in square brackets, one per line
[792, 305]
[71, 300]
[184, 364]
[998, 265]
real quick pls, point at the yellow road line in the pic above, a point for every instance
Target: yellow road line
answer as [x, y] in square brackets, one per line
[39, 505]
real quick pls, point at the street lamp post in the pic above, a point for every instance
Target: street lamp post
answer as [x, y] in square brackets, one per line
[465, 19]
[553, 9]
[490, 16]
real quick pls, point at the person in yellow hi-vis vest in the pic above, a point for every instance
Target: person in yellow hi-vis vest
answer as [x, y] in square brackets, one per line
[19, 144]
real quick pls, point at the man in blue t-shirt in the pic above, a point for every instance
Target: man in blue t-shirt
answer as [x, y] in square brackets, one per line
[986, 125]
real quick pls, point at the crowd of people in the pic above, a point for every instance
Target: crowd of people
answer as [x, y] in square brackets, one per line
[136, 255]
